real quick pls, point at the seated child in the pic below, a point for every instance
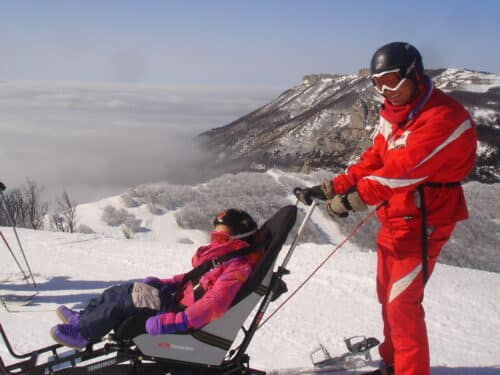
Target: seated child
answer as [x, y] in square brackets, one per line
[176, 304]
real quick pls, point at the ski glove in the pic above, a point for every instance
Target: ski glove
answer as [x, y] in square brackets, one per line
[167, 323]
[323, 192]
[340, 205]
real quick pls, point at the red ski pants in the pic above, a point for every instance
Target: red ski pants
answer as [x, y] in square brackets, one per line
[400, 289]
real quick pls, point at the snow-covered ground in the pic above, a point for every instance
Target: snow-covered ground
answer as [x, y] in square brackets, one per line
[462, 305]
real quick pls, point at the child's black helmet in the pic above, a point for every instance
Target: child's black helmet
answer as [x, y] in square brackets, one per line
[241, 223]
[397, 55]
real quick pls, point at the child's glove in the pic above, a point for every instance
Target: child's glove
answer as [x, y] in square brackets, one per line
[167, 323]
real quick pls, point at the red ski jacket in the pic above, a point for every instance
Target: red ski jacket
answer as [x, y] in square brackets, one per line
[437, 145]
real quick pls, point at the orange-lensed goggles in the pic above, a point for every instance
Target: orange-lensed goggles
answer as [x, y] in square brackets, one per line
[389, 80]
[220, 237]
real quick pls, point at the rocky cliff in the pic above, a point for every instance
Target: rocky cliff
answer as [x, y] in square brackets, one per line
[325, 121]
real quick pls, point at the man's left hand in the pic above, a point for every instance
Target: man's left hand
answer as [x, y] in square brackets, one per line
[340, 205]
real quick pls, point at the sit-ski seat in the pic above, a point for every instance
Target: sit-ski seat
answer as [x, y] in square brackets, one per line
[209, 345]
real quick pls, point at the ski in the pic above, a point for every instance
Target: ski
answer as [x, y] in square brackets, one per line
[381, 371]
[323, 370]
[357, 355]
[357, 359]
[9, 300]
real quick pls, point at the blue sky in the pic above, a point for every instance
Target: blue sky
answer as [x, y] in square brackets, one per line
[235, 43]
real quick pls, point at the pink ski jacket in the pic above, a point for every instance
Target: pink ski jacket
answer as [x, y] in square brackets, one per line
[221, 284]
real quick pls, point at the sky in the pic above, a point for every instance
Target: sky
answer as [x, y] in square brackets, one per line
[97, 96]
[235, 43]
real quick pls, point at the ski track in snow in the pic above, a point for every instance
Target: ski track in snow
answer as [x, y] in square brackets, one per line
[463, 313]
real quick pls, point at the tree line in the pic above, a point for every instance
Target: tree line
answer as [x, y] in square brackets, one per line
[26, 208]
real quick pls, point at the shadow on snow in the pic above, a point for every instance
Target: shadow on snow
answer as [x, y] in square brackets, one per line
[9, 291]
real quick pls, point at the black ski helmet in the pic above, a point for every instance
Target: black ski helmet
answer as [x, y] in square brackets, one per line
[241, 223]
[397, 55]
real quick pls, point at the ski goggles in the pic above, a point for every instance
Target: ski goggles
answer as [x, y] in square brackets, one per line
[220, 237]
[389, 80]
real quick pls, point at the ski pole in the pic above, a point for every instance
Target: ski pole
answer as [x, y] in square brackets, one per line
[299, 233]
[12, 223]
[25, 277]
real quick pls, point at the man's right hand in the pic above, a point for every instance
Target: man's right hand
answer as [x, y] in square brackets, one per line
[322, 192]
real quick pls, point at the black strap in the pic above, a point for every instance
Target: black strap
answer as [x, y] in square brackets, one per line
[423, 232]
[441, 184]
[346, 203]
[196, 273]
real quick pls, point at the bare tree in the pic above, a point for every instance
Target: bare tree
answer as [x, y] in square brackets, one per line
[65, 220]
[128, 222]
[35, 210]
[13, 201]
[25, 206]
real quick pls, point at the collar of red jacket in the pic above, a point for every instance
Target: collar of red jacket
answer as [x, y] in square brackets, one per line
[214, 250]
[399, 114]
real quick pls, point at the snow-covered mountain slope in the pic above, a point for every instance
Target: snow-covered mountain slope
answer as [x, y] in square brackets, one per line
[463, 314]
[325, 121]
[143, 211]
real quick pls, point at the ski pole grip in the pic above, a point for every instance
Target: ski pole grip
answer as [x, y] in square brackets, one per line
[2, 186]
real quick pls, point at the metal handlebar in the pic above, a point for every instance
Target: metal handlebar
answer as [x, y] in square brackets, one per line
[299, 233]
[299, 191]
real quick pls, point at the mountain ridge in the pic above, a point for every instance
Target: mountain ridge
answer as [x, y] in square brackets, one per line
[326, 120]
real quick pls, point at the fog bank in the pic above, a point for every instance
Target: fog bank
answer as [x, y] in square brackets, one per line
[98, 139]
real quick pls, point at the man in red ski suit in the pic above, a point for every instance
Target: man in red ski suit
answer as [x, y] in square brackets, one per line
[423, 147]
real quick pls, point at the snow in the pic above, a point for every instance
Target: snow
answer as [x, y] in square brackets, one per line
[484, 149]
[466, 80]
[463, 314]
[483, 114]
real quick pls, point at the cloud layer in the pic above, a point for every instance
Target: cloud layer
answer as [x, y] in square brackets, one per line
[95, 140]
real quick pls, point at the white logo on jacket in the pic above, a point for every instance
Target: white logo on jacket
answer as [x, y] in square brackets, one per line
[384, 128]
[399, 142]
